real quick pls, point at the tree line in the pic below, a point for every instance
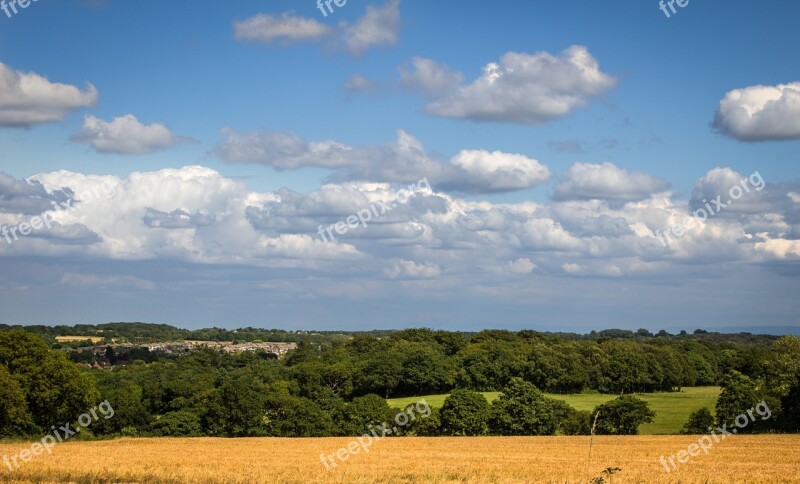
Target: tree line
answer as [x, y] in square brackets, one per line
[339, 388]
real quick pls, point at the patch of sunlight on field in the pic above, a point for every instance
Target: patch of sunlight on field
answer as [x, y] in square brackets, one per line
[672, 409]
[742, 458]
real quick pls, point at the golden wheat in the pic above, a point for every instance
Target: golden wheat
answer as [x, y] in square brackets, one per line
[760, 458]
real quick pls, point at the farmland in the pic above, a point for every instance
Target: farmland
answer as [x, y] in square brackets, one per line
[672, 409]
[758, 458]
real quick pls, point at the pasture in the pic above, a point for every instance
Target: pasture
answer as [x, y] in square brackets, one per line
[672, 409]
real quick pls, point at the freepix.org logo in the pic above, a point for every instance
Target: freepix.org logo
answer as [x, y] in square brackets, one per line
[10, 6]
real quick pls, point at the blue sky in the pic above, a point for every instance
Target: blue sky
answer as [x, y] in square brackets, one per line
[544, 208]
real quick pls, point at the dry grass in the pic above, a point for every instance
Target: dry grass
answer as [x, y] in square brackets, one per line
[752, 459]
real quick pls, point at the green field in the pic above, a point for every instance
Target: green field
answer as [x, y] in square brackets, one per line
[672, 409]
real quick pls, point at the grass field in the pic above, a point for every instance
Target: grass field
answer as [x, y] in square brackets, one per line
[672, 409]
[752, 459]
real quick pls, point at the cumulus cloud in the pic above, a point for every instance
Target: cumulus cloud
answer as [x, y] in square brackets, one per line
[430, 77]
[587, 181]
[378, 26]
[283, 151]
[125, 135]
[760, 113]
[497, 171]
[265, 28]
[528, 88]
[440, 244]
[29, 196]
[719, 183]
[27, 98]
[177, 219]
[522, 265]
[403, 161]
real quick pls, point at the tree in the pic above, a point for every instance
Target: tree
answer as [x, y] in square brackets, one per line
[577, 422]
[111, 356]
[236, 407]
[182, 423]
[782, 367]
[429, 426]
[125, 398]
[623, 416]
[522, 410]
[699, 422]
[55, 390]
[14, 416]
[789, 419]
[425, 369]
[289, 416]
[363, 412]
[464, 413]
[737, 397]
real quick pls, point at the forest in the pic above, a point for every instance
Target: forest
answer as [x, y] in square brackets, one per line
[338, 388]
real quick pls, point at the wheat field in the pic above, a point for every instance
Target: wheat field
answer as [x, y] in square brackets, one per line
[752, 459]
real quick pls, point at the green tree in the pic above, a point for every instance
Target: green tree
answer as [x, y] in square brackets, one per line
[14, 416]
[289, 416]
[55, 390]
[363, 412]
[236, 407]
[183, 423]
[781, 367]
[789, 418]
[429, 426]
[699, 422]
[522, 410]
[623, 416]
[125, 397]
[464, 413]
[738, 395]
[577, 422]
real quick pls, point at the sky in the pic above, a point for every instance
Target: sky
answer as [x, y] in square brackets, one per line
[562, 166]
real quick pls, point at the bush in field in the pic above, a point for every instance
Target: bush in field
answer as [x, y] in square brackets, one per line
[577, 422]
[699, 422]
[464, 413]
[523, 410]
[423, 426]
[182, 423]
[623, 416]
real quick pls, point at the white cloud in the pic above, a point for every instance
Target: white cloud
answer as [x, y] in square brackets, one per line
[521, 266]
[413, 270]
[288, 26]
[498, 171]
[26, 98]
[430, 77]
[196, 219]
[528, 88]
[125, 135]
[403, 161]
[760, 113]
[283, 151]
[586, 181]
[378, 26]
